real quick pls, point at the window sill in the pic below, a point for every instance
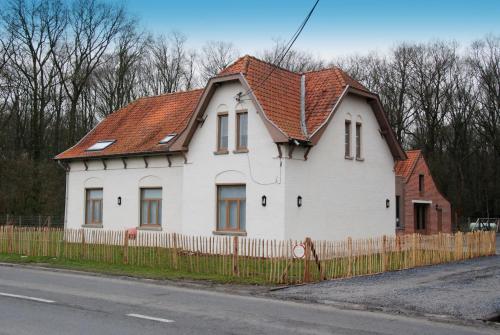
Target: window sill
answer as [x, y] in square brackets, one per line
[349, 158]
[222, 152]
[92, 225]
[240, 151]
[230, 233]
[150, 228]
[360, 159]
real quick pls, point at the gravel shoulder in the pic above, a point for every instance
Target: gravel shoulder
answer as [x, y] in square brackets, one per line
[468, 290]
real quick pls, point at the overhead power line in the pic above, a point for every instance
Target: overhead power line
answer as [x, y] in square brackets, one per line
[281, 56]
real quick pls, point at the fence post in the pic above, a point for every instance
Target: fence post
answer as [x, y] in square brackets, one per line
[384, 253]
[349, 254]
[174, 255]
[82, 253]
[10, 235]
[236, 271]
[49, 221]
[125, 247]
[307, 256]
[414, 250]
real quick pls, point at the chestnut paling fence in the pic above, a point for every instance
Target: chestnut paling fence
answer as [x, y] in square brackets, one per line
[255, 260]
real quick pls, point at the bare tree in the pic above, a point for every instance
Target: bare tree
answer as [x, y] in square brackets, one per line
[215, 57]
[94, 25]
[297, 61]
[116, 79]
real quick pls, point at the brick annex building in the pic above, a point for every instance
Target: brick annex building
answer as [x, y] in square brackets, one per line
[420, 207]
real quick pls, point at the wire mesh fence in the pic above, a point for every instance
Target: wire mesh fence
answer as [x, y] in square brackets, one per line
[54, 221]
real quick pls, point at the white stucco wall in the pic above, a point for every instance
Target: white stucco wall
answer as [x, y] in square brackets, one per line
[125, 183]
[342, 197]
[259, 169]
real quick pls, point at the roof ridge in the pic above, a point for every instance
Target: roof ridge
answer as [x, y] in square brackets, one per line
[168, 93]
[248, 57]
[334, 67]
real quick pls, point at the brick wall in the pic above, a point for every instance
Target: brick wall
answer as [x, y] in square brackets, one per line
[430, 192]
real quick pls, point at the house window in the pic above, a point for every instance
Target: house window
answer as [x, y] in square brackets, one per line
[358, 140]
[241, 130]
[231, 207]
[421, 183]
[222, 132]
[347, 139]
[93, 206]
[151, 206]
[398, 217]
[420, 216]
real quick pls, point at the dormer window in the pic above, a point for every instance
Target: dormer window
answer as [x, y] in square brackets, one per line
[100, 145]
[167, 138]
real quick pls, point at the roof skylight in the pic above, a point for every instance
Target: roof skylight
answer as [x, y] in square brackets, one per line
[100, 145]
[167, 138]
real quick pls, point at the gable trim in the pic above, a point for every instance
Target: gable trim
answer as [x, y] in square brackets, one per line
[374, 102]
[183, 140]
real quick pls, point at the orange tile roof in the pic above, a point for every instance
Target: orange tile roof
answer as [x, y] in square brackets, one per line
[138, 127]
[279, 94]
[405, 168]
[323, 89]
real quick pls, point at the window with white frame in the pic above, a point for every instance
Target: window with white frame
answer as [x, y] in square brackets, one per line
[358, 140]
[347, 138]
[151, 206]
[93, 206]
[222, 132]
[231, 208]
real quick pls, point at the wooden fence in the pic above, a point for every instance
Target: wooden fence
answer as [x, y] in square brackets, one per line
[255, 260]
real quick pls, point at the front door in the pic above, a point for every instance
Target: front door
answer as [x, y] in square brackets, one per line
[420, 212]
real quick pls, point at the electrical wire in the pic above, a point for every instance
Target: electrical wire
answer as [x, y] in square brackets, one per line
[284, 52]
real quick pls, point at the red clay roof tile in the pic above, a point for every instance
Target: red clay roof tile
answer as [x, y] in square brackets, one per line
[138, 127]
[404, 168]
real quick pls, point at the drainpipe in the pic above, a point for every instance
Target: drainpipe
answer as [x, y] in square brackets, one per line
[66, 168]
[303, 105]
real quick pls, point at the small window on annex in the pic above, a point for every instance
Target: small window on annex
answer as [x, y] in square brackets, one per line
[93, 206]
[231, 208]
[151, 206]
[421, 183]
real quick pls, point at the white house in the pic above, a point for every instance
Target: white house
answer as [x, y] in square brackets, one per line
[260, 151]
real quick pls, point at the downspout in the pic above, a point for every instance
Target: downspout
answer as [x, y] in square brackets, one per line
[303, 105]
[66, 168]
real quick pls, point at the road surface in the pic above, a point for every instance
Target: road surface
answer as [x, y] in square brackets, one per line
[37, 301]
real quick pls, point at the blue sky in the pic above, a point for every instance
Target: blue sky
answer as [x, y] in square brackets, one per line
[336, 28]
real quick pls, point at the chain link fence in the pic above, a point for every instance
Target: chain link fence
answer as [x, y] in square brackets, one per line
[56, 221]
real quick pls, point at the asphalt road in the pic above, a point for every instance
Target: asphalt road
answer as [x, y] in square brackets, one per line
[34, 301]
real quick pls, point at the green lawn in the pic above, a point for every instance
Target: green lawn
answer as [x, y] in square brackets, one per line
[128, 270]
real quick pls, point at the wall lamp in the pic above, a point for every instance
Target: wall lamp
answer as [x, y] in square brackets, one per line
[299, 201]
[264, 201]
[119, 201]
[387, 203]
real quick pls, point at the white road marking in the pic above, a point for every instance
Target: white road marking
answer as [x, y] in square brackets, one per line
[25, 297]
[140, 316]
